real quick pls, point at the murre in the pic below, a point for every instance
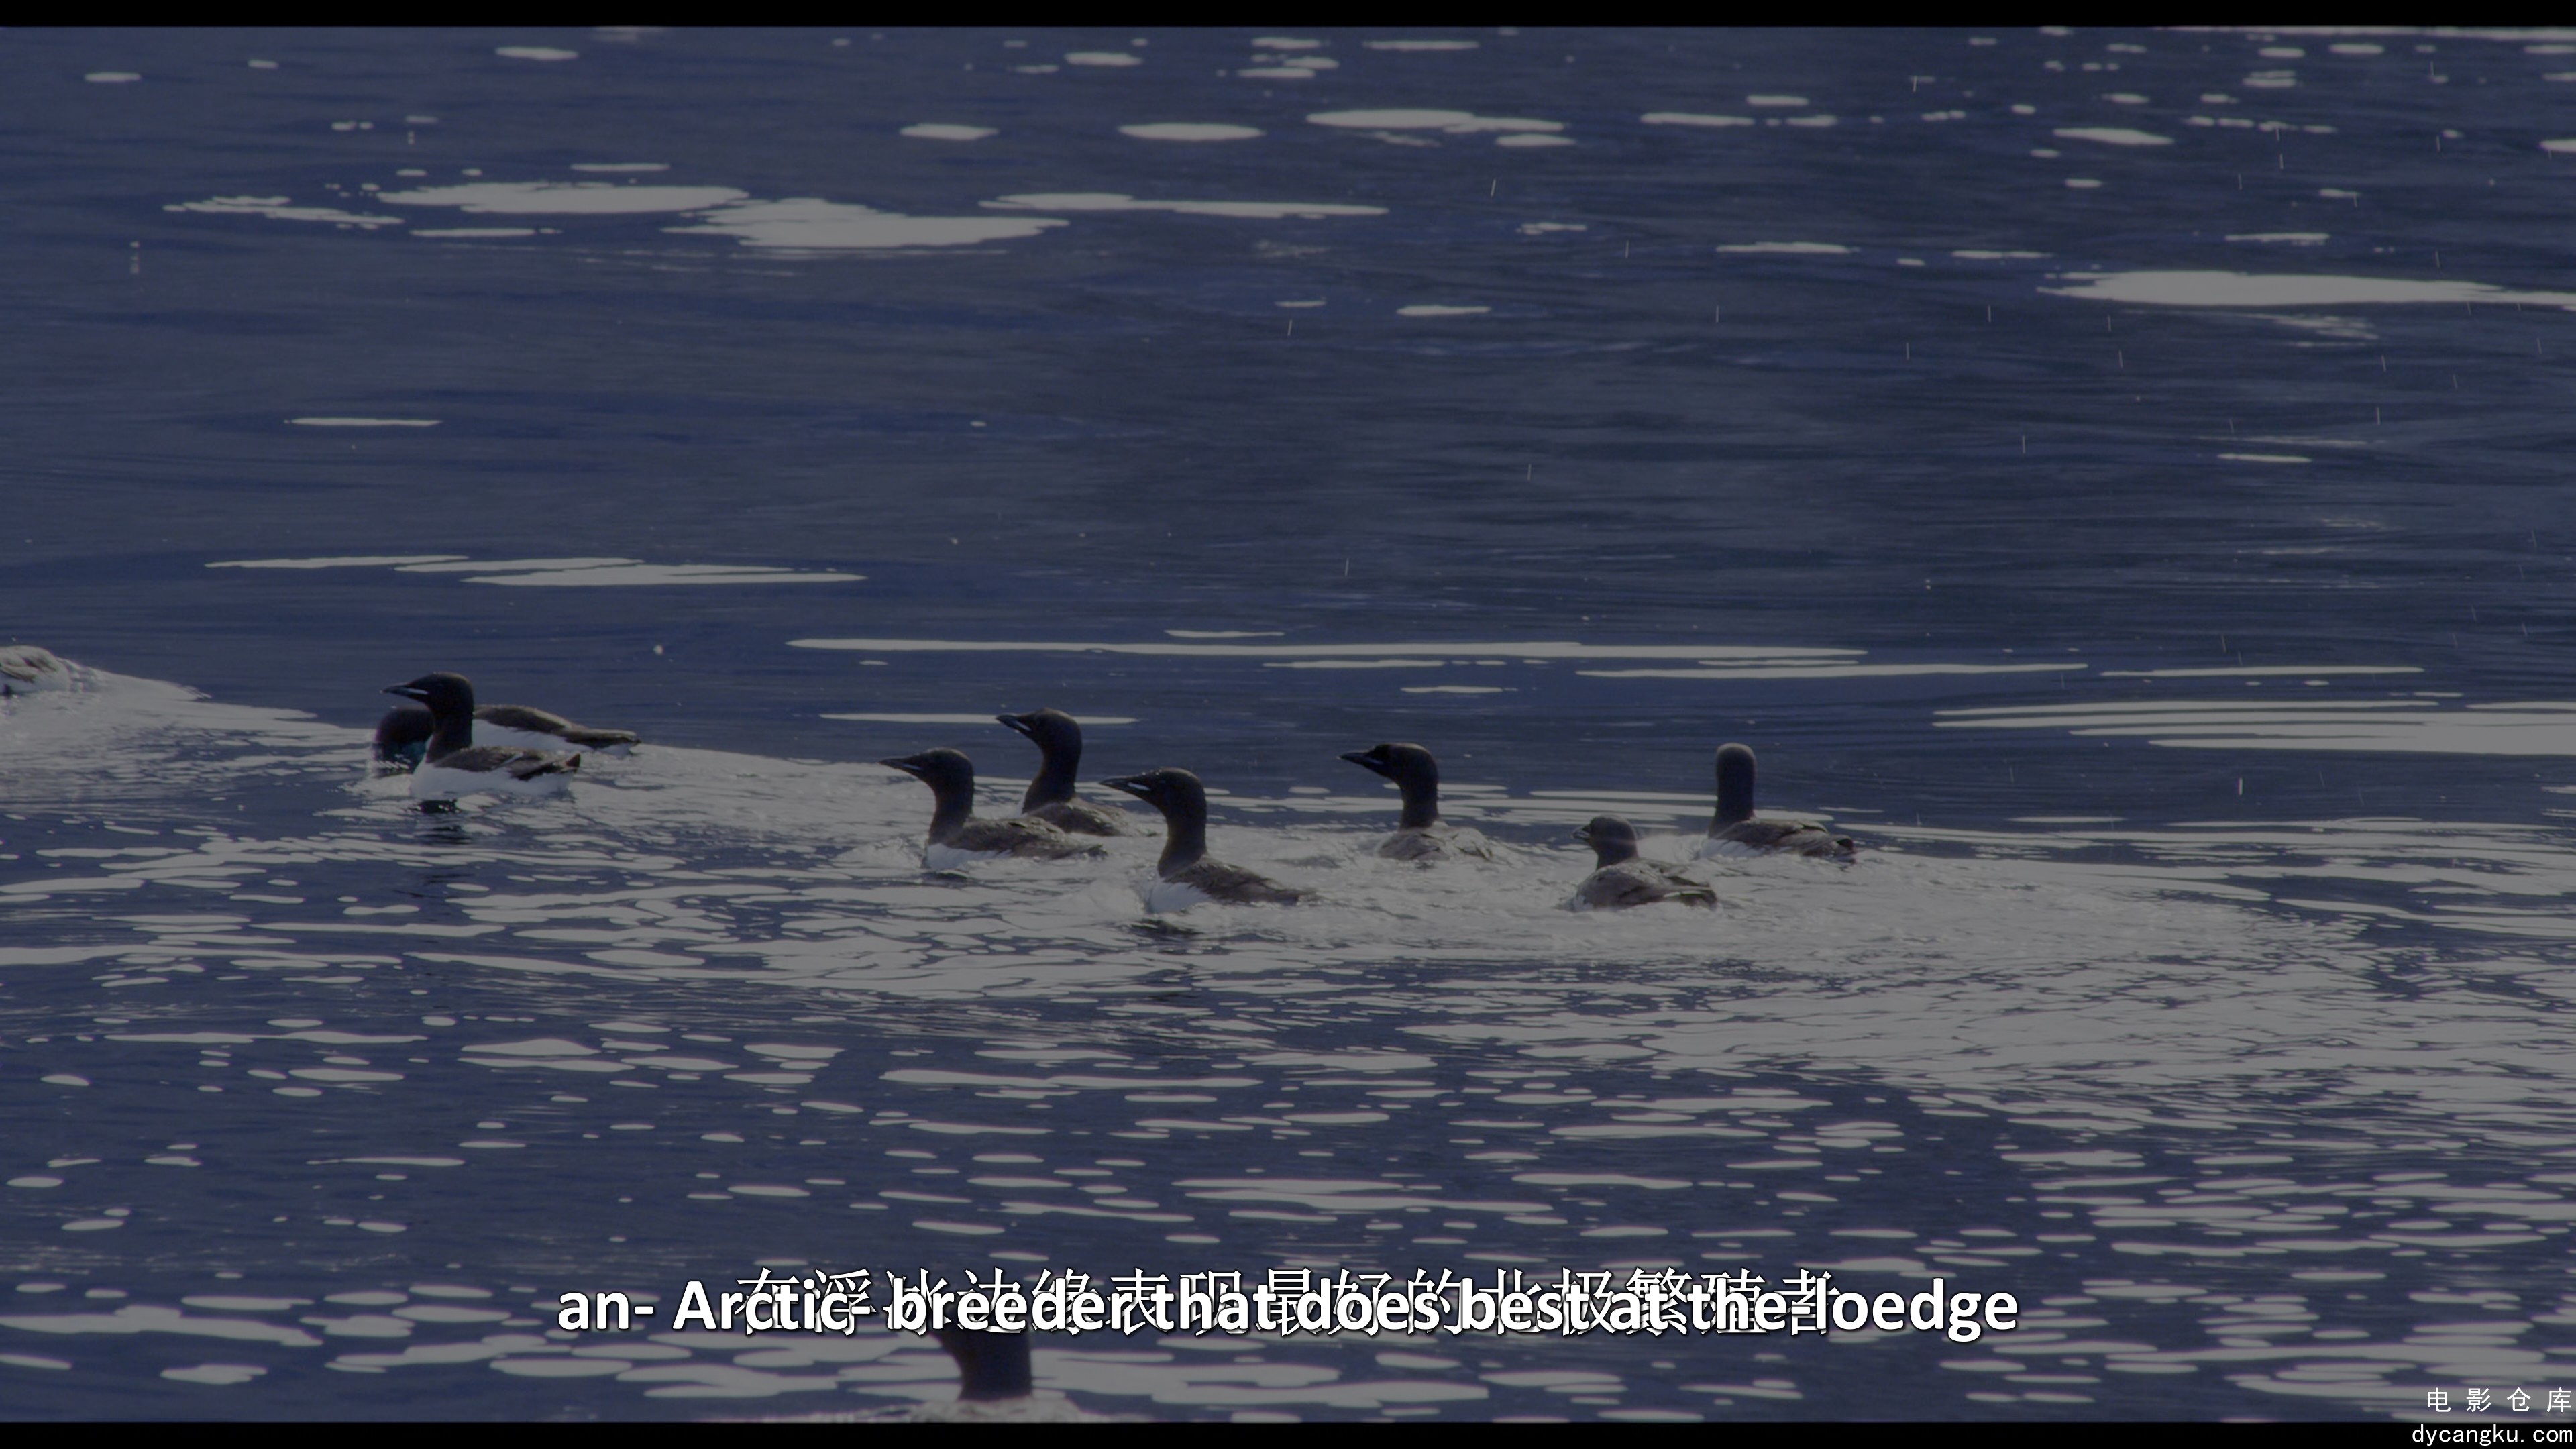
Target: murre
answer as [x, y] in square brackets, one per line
[1734, 831]
[452, 765]
[957, 837]
[1051, 799]
[402, 736]
[1188, 876]
[1419, 835]
[1620, 879]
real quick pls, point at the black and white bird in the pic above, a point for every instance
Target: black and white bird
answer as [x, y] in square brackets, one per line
[1051, 798]
[1735, 832]
[957, 837]
[453, 765]
[29, 669]
[1620, 879]
[402, 736]
[1187, 876]
[1419, 835]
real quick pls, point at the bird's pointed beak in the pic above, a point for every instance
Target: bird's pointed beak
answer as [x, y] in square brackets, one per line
[1017, 722]
[1127, 783]
[907, 766]
[406, 691]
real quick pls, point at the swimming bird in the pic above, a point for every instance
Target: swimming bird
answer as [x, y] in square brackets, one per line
[402, 736]
[1419, 835]
[453, 765]
[27, 669]
[1187, 875]
[1051, 798]
[1734, 831]
[957, 837]
[1620, 879]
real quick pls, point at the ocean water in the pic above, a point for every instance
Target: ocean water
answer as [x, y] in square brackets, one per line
[2117, 477]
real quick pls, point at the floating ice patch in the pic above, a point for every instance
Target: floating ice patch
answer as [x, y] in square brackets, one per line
[620, 166]
[279, 208]
[2406, 726]
[2264, 458]
[1533, 139]
[2112, 136]
[470, 233]
[1115, 201]
[2241, 289]
[534, 52]
[564, 198]
[1775, 101]
[1285, 42]
[1978, 255]
[1436, 309]
[1690, 118]
[2564, 147]
[1112, 58]
[2282, 238]
[363, 422]
[111, 77]
[2294, 671]
[1806, 249]
[1814, 122]
[1456, 123]
[942, 131]
[2083, 183]
[807, 223]
[1420, 45]
[1189, 131]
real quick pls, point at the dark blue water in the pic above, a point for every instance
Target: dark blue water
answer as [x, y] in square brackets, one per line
[2118, 477]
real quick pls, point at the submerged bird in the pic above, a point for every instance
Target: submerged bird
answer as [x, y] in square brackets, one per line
[1734, 831]
[957, 837]
[27, 669]
[453, 765]
[1188, 876]
[1619, 878]
[1419, 835]
[402, 736]
[1051, 797]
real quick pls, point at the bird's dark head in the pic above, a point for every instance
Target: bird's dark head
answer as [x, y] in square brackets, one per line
[1404, 764]
[1166, 789]
[442, 692]
[1734, 784]
[1048, 729]
[941, 769]
[1611, 838]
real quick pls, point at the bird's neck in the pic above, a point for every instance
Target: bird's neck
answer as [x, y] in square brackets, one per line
[1184, 842]
[1613, 852]
[953, 805]
[1053, 785]
[1421, 805]
[454, 730]
[990, 1365]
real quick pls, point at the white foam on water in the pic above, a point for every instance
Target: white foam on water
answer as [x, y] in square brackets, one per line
[1420, 45]
[1775, 101]
[1456, 123]
[1117, 201]
[2112, 136]
[1189, 131]
[2398, 726]
[1690, 118]
[944, 131]
[1533, 139]
[535, 52]
[1812, 249]
[112, 77]
[2283, 238]
[809, 224]
[1831, 671]
[1436, 309]
[620, 166]
[280, 208]
[1285, 42]
[564, 198]
[468, 233]
[634, 575]
[1276, 72]
[1112, 59]
[2242, 289]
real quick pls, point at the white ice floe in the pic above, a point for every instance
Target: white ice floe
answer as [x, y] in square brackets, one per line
[806, 223]
[1117, 201]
